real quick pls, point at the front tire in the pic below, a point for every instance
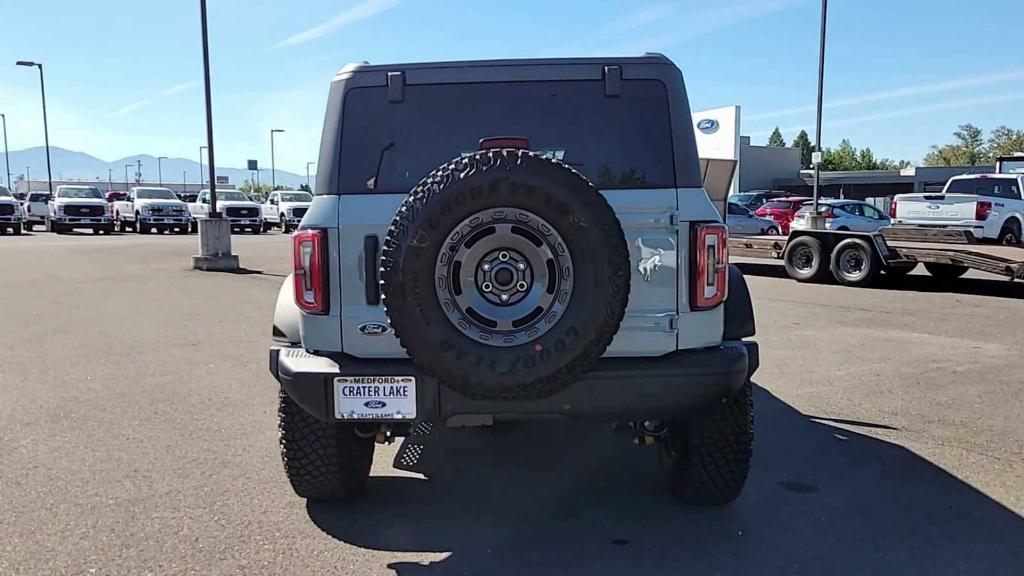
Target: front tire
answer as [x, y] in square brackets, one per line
[709, 459]
[16, 229]
[773, 231]
[28, 226]
[805, 259]
[323, 460]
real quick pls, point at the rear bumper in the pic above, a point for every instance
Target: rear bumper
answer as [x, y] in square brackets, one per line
[670, 386]
[977, 228]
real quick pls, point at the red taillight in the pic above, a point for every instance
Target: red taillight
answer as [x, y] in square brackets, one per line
[310, 258]
[711, 266]
[892, 209]
[982, 209]
[829, 214]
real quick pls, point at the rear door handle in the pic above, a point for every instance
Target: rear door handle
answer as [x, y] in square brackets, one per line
[371, 256]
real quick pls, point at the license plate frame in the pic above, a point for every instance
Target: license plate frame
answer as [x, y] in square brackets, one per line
[375, 398]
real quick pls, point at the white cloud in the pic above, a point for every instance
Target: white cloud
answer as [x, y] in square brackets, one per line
[129, 108]
[904, 112]
[884, 95]
[352, 15]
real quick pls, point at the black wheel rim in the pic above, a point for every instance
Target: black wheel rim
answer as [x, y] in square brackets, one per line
[803, 258]
[504, 277]
[852, 263]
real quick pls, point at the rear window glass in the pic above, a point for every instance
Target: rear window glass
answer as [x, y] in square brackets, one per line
[617, 142]
[783, 205]
[997, 187]
[38, 197]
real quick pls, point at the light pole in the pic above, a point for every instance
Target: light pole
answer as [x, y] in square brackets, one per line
[138, 172]
[818, 221]
[184, 182]
[46, 129]
[273, 172]
[7, 156]
[126, 186]
[28, 178]
[308, 164]
[201, 148]
[160, 170]
[110, 179]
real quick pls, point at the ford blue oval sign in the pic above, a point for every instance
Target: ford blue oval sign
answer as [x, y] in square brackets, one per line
[375, 404]
[707, 125]
[373, 328]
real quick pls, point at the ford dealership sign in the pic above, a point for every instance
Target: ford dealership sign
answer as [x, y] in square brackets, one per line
[707, 125]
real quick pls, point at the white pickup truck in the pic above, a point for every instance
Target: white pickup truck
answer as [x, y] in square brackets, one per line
[989, 205]
[284, 209]
[10, 212]
[234, 206]
[151, 208]
[79, 207]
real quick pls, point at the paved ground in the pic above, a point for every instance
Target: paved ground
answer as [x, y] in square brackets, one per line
[138, 435]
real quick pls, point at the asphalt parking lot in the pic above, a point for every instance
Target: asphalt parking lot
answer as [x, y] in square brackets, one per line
[138, 436]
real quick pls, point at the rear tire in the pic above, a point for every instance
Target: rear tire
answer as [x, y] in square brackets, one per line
[709, 459]
[28, 226]
[945, 272]
[323, 460]
[855, 263]
[1010, 235]
[805, 259]
[773, 231]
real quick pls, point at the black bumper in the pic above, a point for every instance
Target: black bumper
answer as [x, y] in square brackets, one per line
[669, 386]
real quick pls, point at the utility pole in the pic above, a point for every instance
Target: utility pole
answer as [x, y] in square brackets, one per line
[816, 220]
[184, 182]
[138, 172]
[7, 156]
[160, 170]
[127, 186]
[46, 128]
[273, 171]
[308, 164]
[110, 179]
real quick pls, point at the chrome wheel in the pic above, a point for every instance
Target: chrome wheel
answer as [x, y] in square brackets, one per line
[504, 276]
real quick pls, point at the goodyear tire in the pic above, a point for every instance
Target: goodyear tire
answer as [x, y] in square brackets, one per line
[505, 275]
[709, 458]
[323, 460]
[804, 259]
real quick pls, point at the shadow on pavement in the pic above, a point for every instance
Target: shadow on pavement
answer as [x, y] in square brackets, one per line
[570, 498]
[989, 286]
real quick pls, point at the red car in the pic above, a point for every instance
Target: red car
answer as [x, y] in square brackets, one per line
[782, 210]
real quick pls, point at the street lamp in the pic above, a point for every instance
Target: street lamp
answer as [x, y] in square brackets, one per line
[126, 186]
[184, 182]
[817, 221]
[7, 157]
[110, 179]
[201, 148]
[273, 173]
[46, 129]
[28, 178]
[160, 170]
[308, 164]
[138, 172]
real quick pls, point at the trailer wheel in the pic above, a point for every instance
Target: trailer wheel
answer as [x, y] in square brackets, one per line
[945, 272]
[805, 259]
[899, 270]
[854, 263]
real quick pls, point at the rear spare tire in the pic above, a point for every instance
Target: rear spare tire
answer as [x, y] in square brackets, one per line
[505, 275]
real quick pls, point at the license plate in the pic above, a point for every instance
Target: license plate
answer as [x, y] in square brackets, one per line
[375, 397]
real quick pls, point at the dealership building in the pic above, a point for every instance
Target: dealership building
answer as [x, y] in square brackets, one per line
[726, 155]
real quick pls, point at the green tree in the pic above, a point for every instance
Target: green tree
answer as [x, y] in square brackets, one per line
[842, 157]
[803, 142]
[968, 150]
[776, 139]
[253, 191]
[305, 188]
[1004, 141]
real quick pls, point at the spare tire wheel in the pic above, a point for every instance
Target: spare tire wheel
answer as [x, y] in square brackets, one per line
[505, 275]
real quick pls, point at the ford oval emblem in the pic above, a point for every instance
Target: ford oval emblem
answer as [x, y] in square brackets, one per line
[375, 404]
[373, 328]
[707, 125]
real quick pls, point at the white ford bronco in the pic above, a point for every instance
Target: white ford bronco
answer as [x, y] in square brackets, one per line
[508, 239]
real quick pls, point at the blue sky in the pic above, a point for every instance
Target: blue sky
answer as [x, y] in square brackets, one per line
[124, 77]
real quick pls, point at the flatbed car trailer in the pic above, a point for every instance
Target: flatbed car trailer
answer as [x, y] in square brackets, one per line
[858, 258]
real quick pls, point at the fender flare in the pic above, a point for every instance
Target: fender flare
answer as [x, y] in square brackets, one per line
[1012, 216]
[287, 314]
[739, 311]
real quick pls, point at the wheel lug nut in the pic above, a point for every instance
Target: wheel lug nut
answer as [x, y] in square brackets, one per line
[521, 286]
[486, 286]
[504, 297]
[503, 256]
[521, 266]
[486, 267]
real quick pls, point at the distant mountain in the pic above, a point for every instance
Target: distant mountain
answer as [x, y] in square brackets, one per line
[71, 165]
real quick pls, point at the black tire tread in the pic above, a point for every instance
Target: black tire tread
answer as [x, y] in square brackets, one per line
[323, 460]
[713, 454]
[398, 234]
